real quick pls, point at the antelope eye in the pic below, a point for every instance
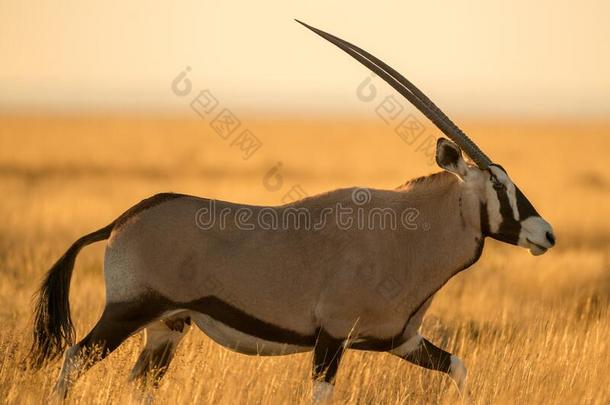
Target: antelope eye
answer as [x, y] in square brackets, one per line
[497, 184]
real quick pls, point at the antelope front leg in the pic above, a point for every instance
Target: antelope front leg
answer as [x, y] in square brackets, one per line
[326, 357]
[421, 352]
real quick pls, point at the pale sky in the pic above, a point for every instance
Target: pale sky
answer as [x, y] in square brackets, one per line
[479, 57]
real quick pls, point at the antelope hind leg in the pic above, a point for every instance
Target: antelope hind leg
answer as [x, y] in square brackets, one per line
[326, 358]
[116, 324]
[161, 340]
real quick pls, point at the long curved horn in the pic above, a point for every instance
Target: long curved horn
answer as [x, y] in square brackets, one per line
[411, 93]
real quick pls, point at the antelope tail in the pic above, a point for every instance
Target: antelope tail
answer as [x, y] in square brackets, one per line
[53, 329]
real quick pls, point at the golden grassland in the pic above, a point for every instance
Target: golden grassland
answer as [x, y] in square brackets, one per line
[530, 329]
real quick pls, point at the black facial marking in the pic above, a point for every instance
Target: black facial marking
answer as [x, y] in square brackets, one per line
[506, 210]
[526, 209]
[484, 220]
[509, 228]
[508, 232]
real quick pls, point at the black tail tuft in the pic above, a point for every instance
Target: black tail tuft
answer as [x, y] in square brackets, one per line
[53, 328]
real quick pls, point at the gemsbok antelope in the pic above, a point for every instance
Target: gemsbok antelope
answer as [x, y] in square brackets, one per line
[351, 268]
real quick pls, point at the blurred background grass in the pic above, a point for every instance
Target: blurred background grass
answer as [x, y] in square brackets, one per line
[530, 329]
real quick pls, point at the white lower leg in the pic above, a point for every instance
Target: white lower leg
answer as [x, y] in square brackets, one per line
[322, 392]
[458, 372]
[158, 339]
[69, 371]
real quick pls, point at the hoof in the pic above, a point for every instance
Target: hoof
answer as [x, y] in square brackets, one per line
[322, 392]
[458, 373]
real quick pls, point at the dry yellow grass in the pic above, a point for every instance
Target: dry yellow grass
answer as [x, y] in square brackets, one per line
[530, 330]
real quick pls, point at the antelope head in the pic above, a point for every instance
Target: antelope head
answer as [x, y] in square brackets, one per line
[506, 214]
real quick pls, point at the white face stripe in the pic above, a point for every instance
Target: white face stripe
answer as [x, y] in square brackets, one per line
[512, 199]
[458, 372]
[511, 191]
[493, 209]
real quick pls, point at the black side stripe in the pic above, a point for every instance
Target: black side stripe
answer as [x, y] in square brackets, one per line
[217, 309]
[241, 321]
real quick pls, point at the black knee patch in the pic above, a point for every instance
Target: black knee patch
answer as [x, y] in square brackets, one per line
[431, 357]
[177, 324]
[327, 355]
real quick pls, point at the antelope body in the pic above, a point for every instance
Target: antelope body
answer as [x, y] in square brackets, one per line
[314, 283]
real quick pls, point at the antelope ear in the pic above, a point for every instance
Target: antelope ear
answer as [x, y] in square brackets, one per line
[449, 157]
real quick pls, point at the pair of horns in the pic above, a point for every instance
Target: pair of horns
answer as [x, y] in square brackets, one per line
[411, 93]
